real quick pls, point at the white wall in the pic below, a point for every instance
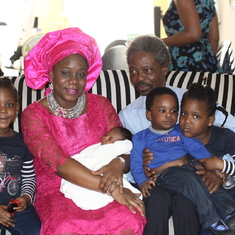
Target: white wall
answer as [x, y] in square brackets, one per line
[105, 20]
[109, 20]
[226, 15]
[10, 14]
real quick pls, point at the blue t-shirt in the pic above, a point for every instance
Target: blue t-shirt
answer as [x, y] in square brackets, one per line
[167, 147]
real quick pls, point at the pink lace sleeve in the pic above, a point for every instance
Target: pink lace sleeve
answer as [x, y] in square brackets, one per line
[52, 139]
[40, 138]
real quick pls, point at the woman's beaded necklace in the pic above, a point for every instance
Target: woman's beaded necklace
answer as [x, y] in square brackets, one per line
[63, 112]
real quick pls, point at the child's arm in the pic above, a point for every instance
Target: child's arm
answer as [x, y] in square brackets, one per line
[136, 159]
[179, 162]
[152, 172]
[213, 163]
[28, 184]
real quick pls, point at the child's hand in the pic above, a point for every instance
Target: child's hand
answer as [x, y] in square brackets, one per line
[146, 186]
[24, 201]
[5, 217]
[213, 163]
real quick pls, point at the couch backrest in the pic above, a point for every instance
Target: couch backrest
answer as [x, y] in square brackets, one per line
[116, 86]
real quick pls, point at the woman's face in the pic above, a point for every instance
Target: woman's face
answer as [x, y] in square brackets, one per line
[194, 119]
[69, 80]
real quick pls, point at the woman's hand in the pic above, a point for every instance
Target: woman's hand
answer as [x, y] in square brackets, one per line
[130, 200]
[5, 217]
[146, 186]
[112, 175]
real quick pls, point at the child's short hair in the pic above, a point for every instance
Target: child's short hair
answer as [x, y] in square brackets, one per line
[5, 82]
[159, 91]
[199, 92]
[127, 135]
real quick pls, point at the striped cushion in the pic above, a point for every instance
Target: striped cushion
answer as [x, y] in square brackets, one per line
[223, 84]
[26, 97]
[115, 85]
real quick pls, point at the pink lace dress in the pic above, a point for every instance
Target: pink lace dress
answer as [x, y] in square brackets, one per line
[52, 139]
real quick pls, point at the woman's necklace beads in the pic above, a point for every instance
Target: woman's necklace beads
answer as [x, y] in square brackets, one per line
[63, 112]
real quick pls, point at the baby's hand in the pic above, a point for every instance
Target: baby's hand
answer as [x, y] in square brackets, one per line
[146, 186]
[5, 217]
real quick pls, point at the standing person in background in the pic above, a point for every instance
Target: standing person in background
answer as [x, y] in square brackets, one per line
[62, 124]
[193, 35]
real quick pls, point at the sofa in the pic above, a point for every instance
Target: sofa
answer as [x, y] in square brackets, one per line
[116, 86]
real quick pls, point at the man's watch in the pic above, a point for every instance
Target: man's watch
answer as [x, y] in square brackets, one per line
[122, 160]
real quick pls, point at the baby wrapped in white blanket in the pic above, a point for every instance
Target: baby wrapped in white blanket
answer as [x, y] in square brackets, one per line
[94, 157]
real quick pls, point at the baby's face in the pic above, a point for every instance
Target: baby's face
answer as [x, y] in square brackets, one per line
[111, 137]
[163, 113]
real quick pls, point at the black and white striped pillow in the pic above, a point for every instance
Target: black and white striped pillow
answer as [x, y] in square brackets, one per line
[223, 85]
[116, 86]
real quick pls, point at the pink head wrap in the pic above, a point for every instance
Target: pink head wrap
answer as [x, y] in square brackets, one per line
[54, 47]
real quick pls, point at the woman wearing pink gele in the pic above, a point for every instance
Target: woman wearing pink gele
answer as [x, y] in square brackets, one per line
[62, 124]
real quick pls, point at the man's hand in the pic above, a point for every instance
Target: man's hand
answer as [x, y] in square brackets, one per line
[147, 156]
[150, 173]
[211, 180]
[146, 186]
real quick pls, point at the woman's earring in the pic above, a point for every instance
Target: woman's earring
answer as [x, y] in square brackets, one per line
[51, 85]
